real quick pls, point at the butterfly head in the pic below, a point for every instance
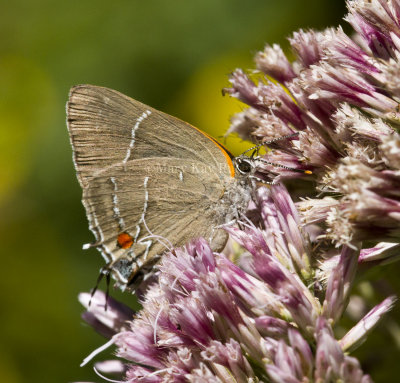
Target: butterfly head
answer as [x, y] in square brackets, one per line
[245, 165]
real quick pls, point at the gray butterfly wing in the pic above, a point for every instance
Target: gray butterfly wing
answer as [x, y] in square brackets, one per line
[158, 210]
[107, 127]
[149, 180]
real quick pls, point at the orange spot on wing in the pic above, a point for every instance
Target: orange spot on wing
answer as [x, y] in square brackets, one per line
[124, 240]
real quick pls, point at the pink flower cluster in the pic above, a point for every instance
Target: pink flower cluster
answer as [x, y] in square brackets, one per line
[206, 319]
[341, 95]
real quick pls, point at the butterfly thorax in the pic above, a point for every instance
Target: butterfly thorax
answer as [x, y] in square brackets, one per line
[235, 200]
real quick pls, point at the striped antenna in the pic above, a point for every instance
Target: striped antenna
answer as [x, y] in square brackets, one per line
[271, 141]
[283, 166]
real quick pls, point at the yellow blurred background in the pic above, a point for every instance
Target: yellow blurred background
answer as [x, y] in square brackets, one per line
[173, 55]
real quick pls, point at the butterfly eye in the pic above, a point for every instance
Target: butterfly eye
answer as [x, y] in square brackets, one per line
[244, 166]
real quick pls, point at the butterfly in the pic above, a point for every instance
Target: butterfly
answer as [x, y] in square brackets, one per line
[150, 181]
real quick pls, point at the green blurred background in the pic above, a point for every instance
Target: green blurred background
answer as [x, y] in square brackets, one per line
[173, 55]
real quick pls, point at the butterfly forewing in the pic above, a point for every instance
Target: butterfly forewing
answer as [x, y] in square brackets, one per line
[144, 187]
